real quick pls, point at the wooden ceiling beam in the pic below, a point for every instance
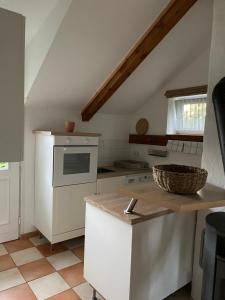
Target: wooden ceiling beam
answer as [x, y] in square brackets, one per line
[168, 18]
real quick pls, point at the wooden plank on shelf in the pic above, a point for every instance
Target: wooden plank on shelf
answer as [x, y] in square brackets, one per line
[159, 140]
[208, 197]
[168, 18]
[195, 90]
[185, 137]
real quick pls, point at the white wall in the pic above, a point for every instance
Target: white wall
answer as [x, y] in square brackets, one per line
[155, 111]
[212, 159]
[113, 145]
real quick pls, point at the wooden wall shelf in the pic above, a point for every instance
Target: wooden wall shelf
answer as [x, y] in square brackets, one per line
[184, 137]
[161, 140]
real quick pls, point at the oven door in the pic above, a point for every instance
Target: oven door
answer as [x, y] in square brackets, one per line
[74, 165]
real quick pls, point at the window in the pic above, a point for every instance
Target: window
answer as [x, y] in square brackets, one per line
[4, 166]
[187, 114]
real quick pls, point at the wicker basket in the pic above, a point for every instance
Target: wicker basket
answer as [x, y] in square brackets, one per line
[179, 179]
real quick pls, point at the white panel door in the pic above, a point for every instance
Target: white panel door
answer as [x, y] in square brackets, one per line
[9, 202]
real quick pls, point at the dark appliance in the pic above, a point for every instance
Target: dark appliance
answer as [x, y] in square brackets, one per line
[213, 257]
[213, 244]
[218, 97]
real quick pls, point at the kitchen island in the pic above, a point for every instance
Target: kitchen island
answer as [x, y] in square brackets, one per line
[145, 255]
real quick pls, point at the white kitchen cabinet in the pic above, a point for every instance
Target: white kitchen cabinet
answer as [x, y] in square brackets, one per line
[109, 185]
[69, 207]
[12, 34]
[59, 211]
[145, 261]
[112, 184]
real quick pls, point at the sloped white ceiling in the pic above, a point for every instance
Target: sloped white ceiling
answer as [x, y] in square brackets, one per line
[93, 38]
[35, 11]
[184, 43]
[39, 46]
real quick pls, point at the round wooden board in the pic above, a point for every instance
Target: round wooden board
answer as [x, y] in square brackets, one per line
[142, 126]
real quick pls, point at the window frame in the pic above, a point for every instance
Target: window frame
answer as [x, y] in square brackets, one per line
[172, 119]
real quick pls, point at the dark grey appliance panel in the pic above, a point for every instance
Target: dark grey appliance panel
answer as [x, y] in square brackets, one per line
[219, 107]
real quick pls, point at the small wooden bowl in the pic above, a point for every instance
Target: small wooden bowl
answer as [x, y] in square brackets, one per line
[142, 126]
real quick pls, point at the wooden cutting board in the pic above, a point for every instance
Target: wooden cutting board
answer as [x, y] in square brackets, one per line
[208, 197]
[142, 126]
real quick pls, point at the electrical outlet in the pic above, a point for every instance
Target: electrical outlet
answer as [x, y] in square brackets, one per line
[136, 153]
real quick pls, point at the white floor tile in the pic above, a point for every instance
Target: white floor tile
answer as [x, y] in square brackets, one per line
[48, 286]
[37, 241]
[3, 250]
[62, 260]
[74, 243]
[10, 278]
[85, 291]
[26, 256]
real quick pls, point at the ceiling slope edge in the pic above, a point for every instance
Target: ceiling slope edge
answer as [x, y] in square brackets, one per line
[39, 46]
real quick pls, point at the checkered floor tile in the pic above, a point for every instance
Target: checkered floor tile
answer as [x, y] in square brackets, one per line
[30, 269]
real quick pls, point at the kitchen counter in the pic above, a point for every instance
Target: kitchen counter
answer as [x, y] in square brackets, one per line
[121, 172]
[210, 196]
[115, 205]
[154, 202]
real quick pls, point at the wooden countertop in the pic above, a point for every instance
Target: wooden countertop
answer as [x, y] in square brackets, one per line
[115, 205]
[121, 172]
[57, 133]
[209, 197]
[154, 202]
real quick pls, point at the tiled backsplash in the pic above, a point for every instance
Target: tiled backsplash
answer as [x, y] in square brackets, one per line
[116, 149]
[185, 147]
[140, 152]
[111, 150]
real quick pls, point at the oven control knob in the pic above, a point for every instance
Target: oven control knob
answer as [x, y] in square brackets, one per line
[86, 140]
[68, 140]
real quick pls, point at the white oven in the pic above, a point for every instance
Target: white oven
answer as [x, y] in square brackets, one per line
[75, 161]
